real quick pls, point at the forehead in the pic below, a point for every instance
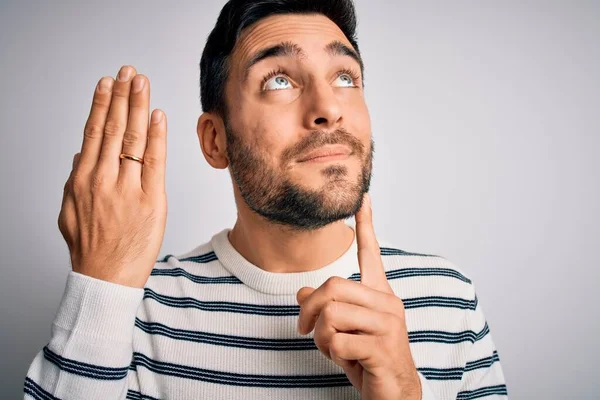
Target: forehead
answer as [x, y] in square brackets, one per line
[307, 30]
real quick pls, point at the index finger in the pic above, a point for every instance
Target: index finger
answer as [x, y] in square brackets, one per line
[372, 272]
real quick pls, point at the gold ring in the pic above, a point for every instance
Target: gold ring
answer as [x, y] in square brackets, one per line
[130, 157]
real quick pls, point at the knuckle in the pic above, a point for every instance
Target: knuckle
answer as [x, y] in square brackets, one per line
[62, 219]
[121, 94]
[330, 309]
[131, 137]
[99, 102]
[66, 187]
[395, 323]
[92, 131]
[332, 283]
[381, 342]
[78, 183]
[112, 128]
[98, 182]
[152, 161]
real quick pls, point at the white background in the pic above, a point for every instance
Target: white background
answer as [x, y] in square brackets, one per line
[486, 121]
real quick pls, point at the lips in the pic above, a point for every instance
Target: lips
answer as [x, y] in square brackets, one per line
[329, 150]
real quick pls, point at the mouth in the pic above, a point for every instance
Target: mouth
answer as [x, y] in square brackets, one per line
[327, 153]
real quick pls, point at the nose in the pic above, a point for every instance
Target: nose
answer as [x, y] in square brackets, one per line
[324, 110]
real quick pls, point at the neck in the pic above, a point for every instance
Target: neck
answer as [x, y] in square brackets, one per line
[276, 248]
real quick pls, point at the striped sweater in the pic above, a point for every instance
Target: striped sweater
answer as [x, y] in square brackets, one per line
[210, 325]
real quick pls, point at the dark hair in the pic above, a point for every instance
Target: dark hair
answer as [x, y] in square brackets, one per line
[239, 14]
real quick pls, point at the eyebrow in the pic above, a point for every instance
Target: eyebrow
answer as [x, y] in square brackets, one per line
[290, 49]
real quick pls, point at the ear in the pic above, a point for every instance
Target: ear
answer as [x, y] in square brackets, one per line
[211, 134]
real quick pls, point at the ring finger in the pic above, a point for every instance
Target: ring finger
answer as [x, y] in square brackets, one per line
[136, 133]
[116, 123]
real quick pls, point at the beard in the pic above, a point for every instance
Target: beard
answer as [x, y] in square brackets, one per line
[272, 195]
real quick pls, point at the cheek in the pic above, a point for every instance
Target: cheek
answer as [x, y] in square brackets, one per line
[358, 121]
[279, 125]
[268, 131]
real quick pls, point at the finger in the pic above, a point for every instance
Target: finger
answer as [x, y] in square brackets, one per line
[136, 133]
[372, 272]
[347, 291]
[114, 128]
[76, 159]
[67, 214]
[155, 157]
[303, 294]
[93, 132]
[74, 166]
[344, 317]
[347, 347]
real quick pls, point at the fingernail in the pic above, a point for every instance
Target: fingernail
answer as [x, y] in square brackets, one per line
[156, 116]
[105, 84]
[124, 74]
[138, 84]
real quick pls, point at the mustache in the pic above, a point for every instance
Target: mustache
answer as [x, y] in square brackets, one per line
[319, 138]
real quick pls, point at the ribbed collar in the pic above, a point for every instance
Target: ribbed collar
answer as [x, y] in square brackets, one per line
[281, 283]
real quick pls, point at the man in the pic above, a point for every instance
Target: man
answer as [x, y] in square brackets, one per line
[292, 302]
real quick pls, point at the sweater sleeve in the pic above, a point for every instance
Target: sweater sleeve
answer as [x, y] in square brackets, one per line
[482, 375]
[91, 345]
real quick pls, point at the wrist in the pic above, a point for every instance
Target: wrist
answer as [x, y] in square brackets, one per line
[411, 387]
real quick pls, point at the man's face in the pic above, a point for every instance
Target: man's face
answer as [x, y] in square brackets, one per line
[305, 95]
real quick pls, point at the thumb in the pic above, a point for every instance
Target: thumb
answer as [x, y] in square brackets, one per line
[303, 294]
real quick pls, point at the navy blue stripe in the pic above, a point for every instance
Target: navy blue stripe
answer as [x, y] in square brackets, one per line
[447, 337]
[437, 301]
[457, 373]
[241, 308]
[412, 272]
[85, 369]
[442, 374]
[154, 328]
[484, 331]
[195, 278]
[229, 378]
[482, 392]
[34, 390]
[482, 363]
[202, 258]
[388, 251]
[132, 394]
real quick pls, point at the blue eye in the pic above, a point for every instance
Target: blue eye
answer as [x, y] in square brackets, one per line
[278, 82]
[347, 80]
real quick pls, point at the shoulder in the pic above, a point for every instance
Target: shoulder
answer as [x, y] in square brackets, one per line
[193, 265]
[422, 274]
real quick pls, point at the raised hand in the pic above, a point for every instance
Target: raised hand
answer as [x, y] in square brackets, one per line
[361, 326]
[114, 210]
